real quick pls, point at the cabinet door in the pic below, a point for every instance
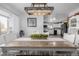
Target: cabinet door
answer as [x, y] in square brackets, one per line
[73, 22]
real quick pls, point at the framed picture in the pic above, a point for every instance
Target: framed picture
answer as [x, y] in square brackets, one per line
[31, 22]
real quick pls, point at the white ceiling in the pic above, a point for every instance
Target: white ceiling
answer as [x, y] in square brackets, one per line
[60, 9]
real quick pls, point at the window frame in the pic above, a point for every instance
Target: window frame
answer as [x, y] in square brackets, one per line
[7, 24]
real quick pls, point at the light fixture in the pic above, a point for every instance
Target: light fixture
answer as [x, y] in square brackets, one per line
[39, 9]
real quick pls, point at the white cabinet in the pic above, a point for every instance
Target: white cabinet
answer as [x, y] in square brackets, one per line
[73, 24]
[74, 28]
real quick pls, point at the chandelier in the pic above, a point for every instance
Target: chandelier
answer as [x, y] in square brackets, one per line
[39, 9]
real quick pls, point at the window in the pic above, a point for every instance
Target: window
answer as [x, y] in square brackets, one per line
[3, 24]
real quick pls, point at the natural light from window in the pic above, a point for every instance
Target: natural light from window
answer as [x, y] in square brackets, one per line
[3, 24]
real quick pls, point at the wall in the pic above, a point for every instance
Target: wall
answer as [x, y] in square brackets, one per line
[14, 24]
[29, 30]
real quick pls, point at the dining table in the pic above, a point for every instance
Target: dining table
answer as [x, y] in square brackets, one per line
[53, 44]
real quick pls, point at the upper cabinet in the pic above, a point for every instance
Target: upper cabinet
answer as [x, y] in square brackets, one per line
[74, 24]
[74, 21]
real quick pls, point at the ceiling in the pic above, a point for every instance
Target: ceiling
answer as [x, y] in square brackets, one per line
[60, 9]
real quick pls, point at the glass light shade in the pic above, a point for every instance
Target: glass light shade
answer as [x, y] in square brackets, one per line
[39, 9]
[40, 12]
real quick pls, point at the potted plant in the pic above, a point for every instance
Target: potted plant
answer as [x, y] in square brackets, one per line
[39, 36]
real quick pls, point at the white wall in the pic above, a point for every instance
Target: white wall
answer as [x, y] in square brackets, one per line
[14, 24]
[29, 30]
